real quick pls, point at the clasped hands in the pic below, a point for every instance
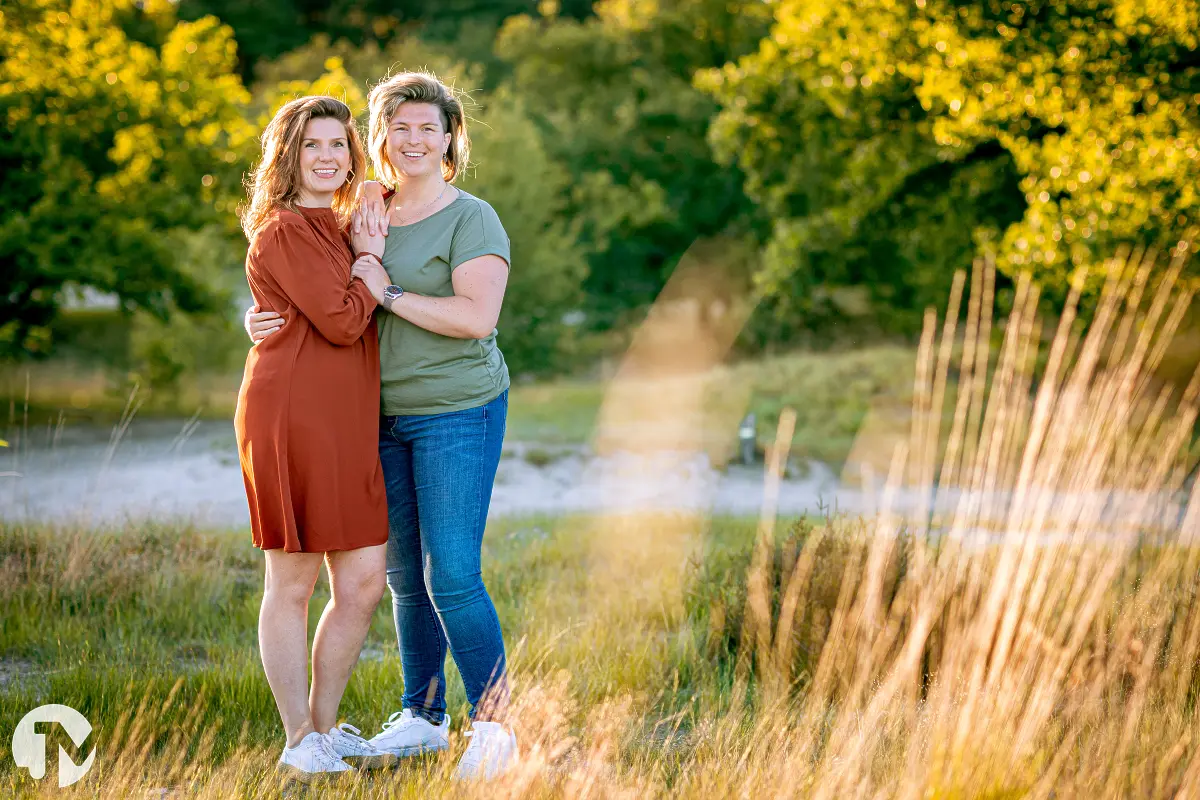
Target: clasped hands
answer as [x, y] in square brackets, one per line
[368, 232]
[368, 229]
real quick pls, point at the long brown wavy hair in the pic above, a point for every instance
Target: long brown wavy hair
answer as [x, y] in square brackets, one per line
[275, 182]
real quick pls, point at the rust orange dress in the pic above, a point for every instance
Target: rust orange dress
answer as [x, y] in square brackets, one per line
[307, 417]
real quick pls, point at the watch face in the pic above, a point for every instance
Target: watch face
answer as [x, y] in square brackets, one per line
[392, 291]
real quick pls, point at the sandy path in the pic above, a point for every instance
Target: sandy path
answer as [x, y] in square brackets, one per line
[161, 470]
[153, 470]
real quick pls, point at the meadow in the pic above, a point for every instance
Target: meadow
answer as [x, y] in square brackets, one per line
[833, 391]
[1030, 630]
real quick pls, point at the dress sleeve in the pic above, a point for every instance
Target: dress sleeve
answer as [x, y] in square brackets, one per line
[293, 256]
[479, 234]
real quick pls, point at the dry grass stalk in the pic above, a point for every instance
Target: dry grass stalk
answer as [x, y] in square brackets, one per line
[1027, 627]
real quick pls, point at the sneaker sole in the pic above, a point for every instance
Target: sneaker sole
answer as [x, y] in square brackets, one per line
[381, 761]
[290, 773]
[416, 749]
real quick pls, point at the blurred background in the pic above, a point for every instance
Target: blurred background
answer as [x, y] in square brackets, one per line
[832, 161]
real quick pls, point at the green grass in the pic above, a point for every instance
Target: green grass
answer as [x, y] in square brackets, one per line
[104, 620]
[626, 630]
[80, 392]
[163, 620]
[831, 392]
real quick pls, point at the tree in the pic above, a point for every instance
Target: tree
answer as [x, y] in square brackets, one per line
[530, 194]
[113, 152]
[613, 95]
[267, 29]
[891, 141]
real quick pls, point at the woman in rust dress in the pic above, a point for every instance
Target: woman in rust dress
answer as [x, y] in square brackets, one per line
[307, 426]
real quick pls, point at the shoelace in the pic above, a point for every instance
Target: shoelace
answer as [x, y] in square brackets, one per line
[326, 754]
[352, 733]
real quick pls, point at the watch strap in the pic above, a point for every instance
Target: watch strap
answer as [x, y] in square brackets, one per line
[390, 297]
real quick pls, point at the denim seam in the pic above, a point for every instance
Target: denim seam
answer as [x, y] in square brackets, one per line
[434, 617]
[440, 689]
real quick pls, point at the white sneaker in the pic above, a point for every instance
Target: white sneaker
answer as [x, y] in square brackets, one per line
[357, 751]
[407, 734]
[493, 749]
[313, 757]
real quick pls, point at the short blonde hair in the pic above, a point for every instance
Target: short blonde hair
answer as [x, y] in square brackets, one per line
[417, 87]
[275, 182]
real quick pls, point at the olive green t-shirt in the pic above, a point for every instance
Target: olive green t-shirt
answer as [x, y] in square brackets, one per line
[424, 372]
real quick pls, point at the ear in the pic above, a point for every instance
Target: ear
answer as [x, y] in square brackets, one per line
[445, 144]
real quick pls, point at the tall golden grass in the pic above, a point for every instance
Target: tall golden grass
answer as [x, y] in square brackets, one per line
[1018, 617]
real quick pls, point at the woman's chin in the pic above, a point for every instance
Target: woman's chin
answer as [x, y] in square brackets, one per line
[412, 171]
[325, 187]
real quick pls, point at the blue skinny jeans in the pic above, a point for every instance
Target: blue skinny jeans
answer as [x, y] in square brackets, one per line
[439, 470]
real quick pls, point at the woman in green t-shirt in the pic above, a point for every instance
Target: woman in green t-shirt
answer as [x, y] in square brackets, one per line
[444, 386]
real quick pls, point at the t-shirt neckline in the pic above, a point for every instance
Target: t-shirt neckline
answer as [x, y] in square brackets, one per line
[447, 207]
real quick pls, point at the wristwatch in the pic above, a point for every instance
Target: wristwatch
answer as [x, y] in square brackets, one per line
[390, 293]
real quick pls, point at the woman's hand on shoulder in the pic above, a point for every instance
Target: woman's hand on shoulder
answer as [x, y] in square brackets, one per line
[260, 324]
[368, 232]
[371, 272]
[370, 197]
[371, 208]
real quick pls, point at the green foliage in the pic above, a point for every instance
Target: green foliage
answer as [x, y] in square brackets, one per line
[165, 349]
[96, 336]
[348, 72]
[889, 142]
[267, 29]
[530, 194]
[614, 95]
[857, 151]
[111, 148]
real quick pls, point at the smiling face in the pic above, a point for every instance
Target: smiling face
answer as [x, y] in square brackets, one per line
[417, 140]
[324, 161]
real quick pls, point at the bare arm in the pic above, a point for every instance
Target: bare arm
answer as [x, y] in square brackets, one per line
[471, 312]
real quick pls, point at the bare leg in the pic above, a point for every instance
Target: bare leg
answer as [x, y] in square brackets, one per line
[357, 579]
[283, 636]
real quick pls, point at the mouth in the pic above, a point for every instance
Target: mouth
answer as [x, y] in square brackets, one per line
[412, 155]
[325, 173]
